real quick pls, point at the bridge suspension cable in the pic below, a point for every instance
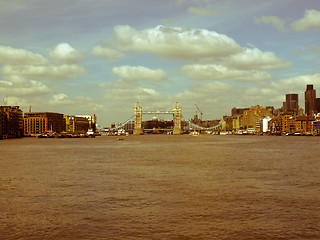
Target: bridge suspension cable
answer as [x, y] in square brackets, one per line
[195, 126]
[123, 124]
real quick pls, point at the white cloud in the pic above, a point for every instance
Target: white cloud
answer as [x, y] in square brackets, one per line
[19, 62]
[139, 73]
[109, 54]
[220, 72]
[176, 43]
[311, 20]
[273, 20]
[52, 72]
[20, 56]
[256, 59]
[76, 105]
[19, 86]
[64, 53]
[14, 101]
[60, 99]
[296, 84]
[5, 83]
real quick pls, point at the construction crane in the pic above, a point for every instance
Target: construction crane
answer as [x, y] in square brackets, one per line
[199, 111]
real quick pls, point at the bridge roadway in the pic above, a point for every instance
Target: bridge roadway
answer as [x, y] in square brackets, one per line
[157, 112]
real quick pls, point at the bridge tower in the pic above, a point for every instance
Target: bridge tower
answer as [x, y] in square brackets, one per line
[177, 119]
[137, 120]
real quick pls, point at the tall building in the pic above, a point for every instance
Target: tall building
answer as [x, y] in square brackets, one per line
[317, 105]
[43, 122]
[310, 100]
[1, 122]
[75, 124]
[92, 121]
[11, 122]
[292, 103]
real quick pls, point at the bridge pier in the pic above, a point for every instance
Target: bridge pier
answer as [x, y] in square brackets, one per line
[177, 130]
[137, 120]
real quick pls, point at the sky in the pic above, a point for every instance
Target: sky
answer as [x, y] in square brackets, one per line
[103, 56]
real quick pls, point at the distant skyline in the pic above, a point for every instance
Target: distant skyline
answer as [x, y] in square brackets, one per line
[102, 56]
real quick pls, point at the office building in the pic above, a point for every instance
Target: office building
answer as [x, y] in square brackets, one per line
[252, 118]
[292, 103]
[76, 124]
[11, 122]
[92, 121]
[310, 100]
[43, 122]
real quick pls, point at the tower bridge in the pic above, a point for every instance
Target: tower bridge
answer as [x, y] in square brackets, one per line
[176, 111]
[177, 120]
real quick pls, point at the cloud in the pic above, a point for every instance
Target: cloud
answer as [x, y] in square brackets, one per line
[256, 59]
[19, 86]
[64, 53]
[14, 101]
[206, 11]
[60, 99]
[16, 56]
[108, 54]
[5, 83]
[76, 105]
[176, 43]
[139, 73]
[200, 11]
[311, 20]
[52, 72]
[19, 62]
[296, 84]
[220, 72]
[273, 20]
[314, 48]
[119, 100]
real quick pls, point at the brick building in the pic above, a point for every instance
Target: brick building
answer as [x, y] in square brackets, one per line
[11, 122]
[43, 122]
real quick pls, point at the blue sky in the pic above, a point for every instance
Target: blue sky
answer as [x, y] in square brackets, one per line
[102, 56]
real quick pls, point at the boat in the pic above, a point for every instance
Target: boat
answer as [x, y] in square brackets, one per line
[90, 133]
[194, 133]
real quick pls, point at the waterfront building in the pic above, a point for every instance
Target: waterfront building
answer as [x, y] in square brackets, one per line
[304, 124]
[292, 124]
[310, 100]
[236, 122]
[1, 122]
[43, 122]
[238, 111]
[316, 126]
[252, 118]
[11, 122]
[292, 103]
[76, 124]
[92, 121]
[287, 122]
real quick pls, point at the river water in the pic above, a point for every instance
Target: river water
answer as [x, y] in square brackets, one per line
[160, 187]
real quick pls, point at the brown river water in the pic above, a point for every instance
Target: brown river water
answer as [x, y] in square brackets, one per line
[160, 187]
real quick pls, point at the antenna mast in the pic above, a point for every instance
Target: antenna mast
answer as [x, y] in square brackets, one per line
[5, 101]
